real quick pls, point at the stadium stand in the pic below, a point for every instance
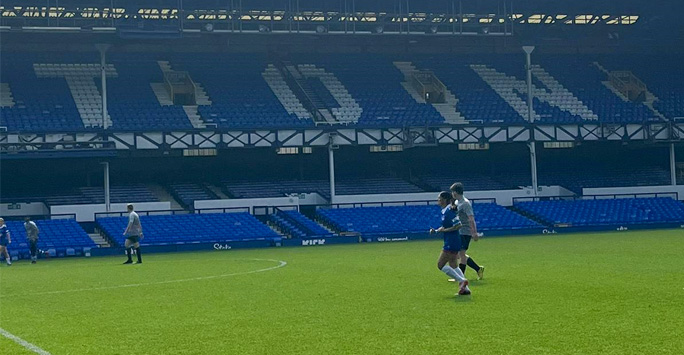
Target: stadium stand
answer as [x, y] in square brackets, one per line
[602, 176]
[133, 104]
[297, 225]
[376, 97]
[188, 193]
[606, 212]
[662, 76]
[86, 195]
[585, 81]
[240, 96]
[416, 219]
[474, 182]
[63, 93]
[40, 104]
[374, 185]
[344, 186]
[191, 228]
[275, 188]
[60, 237]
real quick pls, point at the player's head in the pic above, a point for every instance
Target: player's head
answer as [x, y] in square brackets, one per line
[444, 199]
[2, 222]
[129, 207]
[27, 219]
[456, 189]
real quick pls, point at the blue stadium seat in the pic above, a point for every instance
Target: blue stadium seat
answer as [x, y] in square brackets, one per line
[417, 219]
[191, 228]
[606, 212]
[55, 234]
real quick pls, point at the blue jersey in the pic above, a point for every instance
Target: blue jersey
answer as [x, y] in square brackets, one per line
[452, 240]
[4, 234]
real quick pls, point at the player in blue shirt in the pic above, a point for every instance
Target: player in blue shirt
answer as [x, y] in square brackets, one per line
[5, 240]
[452, 242]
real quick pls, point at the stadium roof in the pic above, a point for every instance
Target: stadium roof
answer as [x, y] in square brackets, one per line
[380, 16]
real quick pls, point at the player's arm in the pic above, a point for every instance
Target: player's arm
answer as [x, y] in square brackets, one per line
[473, 227]
[128, 227]
[9, 238]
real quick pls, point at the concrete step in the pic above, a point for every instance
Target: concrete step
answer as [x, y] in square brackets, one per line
[164, 196]
[99, 240]
[414, 94]
[615, 91]
[162, 94]
[194, 117]
[6, 99]
[217, 190]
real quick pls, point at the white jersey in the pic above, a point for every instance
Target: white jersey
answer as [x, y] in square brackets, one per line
[134, 227]
[31, 230]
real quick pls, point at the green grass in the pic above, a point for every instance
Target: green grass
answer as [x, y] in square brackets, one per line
[609, 293]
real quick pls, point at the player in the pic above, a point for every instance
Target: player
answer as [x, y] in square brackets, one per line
[452, 242]
[5, 240]
[468, 230]
[133, 235]
[32, 232]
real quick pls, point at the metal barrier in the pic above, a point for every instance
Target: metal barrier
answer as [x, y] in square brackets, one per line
[674, 195]
[141, 213]
[401, 203]
[223, 210]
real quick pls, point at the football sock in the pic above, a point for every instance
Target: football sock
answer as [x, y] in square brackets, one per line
[462, 267]
[453, 273]
[473, 264]
[137, 252]
[129, 251]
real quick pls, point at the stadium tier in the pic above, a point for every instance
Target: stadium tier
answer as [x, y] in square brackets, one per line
[58, 236]
[86, 195]
[574, 179]
[191, 228]
[474, 182]
[665, 90]
[277, 188]
[343, 186]
[297, 225]
[62, 93]
[188, 193]
[417, 219]
[369, 90]
[606, 212]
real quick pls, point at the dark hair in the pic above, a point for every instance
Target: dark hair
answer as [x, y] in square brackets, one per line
[446, 196]
[457, 187]
[27, 218]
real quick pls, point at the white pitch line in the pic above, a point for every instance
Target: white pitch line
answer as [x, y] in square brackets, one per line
[280, 264]
[23, 342]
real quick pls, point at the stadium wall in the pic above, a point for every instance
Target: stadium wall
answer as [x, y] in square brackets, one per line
[678, 189]
[502, 197]
[86, 213]
[215, 206]
[23, 209]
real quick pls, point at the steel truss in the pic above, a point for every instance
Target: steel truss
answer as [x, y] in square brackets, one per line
[344, 136]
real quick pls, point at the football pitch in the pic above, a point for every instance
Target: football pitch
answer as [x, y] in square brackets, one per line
[605, 293]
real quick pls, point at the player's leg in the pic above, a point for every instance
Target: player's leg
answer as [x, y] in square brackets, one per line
[444, 258]
[465, 243]
[473, 265]
[3, 251]
[137, 252]
[463, 285]
[129, 251]
[33, 246]
[442, 262]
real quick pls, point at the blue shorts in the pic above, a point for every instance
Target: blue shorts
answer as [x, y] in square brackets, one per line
[3, 242]
[452, 243]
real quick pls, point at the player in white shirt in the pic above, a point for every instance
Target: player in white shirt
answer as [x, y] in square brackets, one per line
[133, 235]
